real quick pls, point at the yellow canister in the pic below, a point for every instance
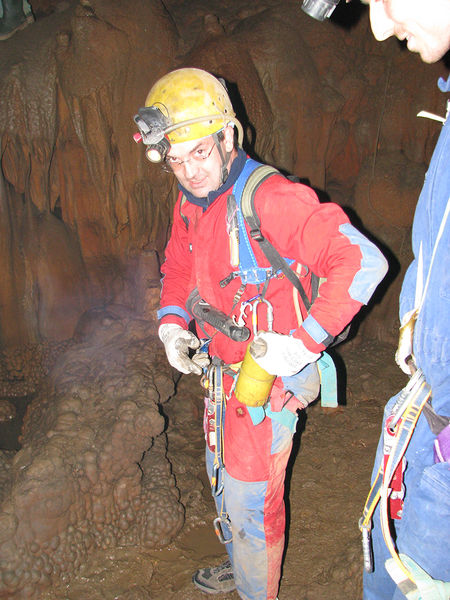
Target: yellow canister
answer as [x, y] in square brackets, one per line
[254, 383]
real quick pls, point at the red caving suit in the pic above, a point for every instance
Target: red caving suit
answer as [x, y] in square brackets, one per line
[317, 236]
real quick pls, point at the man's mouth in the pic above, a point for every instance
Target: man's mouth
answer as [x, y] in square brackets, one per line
[196, 183]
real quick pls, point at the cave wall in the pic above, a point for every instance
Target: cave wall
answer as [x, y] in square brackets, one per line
[79, 204]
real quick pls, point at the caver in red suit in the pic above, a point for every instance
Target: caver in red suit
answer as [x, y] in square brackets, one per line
[320, 238]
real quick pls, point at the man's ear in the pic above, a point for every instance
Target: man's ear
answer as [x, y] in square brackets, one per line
[228, 133]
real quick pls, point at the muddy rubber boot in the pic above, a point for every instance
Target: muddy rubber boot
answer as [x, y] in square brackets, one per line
[215, 580]
[13, 18]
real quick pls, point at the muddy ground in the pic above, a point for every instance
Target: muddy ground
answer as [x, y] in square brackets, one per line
[327, 484]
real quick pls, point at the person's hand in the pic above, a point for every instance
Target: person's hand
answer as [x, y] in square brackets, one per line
[201, 359]
[177, 342]
[405, 342]
[281, 354]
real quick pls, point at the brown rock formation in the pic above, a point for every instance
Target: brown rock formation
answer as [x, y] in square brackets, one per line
[77, 205]
[92, 472]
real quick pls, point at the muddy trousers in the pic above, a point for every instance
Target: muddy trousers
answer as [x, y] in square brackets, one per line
[255, 459]
[423, 531]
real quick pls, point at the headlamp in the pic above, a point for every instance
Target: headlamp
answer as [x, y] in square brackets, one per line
[157, 152]
[319, 9]
[152, 127]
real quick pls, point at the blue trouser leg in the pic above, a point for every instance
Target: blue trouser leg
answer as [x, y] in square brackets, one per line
[248, 505]
[245, 506]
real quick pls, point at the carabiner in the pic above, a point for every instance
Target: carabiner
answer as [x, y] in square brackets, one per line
[218, 528]
[255, 314]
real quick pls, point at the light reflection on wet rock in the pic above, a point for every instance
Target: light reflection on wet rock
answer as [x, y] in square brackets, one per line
[92, 473]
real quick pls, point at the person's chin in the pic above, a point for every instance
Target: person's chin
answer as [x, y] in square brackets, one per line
[423, 51]
[199, 190]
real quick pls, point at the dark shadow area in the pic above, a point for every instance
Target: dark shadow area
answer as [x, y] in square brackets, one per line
[11, 429]
[296, 443]
[446, 60]
[242, 117]
[348, 15]
[341, 373]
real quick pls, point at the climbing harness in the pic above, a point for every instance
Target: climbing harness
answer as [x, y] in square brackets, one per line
[387, 487]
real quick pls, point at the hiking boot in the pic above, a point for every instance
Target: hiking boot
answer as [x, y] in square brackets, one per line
[215, 580]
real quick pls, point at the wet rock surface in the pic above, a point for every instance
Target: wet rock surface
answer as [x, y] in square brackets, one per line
[92, 473]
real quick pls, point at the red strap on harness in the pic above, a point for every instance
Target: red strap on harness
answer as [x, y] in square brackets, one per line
[397, 489]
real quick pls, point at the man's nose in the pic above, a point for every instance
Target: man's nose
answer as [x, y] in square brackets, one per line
[382, 25]
[190, 168]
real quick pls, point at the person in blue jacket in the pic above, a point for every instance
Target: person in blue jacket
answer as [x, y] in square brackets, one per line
[421, 529]
[406, 520]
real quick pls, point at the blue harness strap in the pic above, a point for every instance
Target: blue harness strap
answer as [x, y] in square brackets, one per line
[249, 271]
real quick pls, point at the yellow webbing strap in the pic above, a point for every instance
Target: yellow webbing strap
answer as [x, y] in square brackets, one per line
[418, 396]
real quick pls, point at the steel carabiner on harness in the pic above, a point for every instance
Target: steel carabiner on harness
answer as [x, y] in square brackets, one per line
[216, 480]
[218, 528]
[255, 305]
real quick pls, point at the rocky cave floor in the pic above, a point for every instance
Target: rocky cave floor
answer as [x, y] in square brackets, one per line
[327, 485]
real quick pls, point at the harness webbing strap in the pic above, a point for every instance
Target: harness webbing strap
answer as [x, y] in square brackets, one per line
[259, 175]
[253, 174]
[417, 394]
[222, 524]
[217, 387]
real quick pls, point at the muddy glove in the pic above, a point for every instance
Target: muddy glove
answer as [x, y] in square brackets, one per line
[201, 359]
[177, 342]
[405, 341]
[281, 354]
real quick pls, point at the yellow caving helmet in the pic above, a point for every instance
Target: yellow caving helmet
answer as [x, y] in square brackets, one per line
[187, 95]
[184, 105]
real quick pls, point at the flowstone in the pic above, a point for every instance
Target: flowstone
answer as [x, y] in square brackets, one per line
[92, 473]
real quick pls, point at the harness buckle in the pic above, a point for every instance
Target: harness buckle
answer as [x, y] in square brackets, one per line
[228, 279]
[256, 235]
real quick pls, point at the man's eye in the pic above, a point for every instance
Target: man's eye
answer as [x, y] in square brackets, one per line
[200, 152]
[172, 160]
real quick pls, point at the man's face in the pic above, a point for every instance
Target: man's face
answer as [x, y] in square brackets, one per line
[198, 165]
[424, 24]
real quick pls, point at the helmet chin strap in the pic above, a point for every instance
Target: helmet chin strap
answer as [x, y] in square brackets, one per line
[225, 157]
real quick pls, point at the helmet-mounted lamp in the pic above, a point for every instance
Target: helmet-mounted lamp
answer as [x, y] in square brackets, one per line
[152, 126]
[319, 9]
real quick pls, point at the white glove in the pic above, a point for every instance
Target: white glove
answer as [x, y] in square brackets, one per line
[201, 359]
[405, 341]
[283, 355]
[177, 342]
